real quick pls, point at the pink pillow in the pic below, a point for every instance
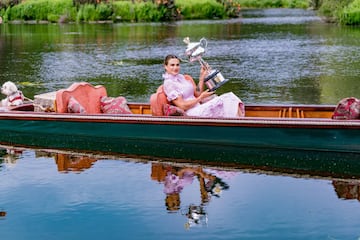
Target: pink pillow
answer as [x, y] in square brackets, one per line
[347, 108]
[116, 105]
[74, 106]
[171, 110]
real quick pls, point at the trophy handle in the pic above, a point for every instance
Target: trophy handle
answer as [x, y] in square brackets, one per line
[205, 65]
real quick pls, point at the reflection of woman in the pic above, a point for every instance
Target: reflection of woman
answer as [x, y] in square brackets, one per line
[172, 202]
[173, 185]
[176, 179]
[181, 93]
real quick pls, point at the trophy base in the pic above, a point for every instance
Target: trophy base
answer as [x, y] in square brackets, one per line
[219, 85]
[215, 80]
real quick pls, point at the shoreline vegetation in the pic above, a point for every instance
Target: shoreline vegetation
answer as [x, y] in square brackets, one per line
[346, 12]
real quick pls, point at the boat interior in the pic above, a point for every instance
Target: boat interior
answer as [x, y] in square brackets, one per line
[88, 97]
[267, 111]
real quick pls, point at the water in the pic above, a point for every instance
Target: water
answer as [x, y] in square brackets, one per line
[270, 56]
[56, 195]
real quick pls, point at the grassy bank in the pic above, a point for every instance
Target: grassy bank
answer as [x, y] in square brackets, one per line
[115, 11]
[346, 12]
[140, 11]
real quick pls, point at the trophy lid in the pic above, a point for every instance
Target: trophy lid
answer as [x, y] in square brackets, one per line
[192, 46]
[195, 49]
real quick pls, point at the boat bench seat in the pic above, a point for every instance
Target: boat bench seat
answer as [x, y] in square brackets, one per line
[289, 112]
[84, 93]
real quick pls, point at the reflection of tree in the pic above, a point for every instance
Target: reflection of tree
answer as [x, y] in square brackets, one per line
[175, 179]
[347, 189]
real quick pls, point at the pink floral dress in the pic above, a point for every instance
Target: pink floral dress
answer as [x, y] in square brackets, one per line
[225, 106]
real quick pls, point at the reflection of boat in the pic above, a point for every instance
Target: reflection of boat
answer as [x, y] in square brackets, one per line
[290, 136]
[209, 174]
[2, 213]
[66, 162]
[347, 189]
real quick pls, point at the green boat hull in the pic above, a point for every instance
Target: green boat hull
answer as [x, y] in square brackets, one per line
[324, 151]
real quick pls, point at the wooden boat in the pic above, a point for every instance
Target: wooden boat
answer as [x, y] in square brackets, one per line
[283, 136]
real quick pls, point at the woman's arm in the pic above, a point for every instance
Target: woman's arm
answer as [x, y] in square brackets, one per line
[187, 104]
[200, 87]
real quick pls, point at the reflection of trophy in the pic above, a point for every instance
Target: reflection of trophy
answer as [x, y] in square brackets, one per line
[194, 51]
[196, 215]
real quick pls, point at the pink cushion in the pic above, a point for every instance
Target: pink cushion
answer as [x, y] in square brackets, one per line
[74, 106]
[347, 108]
[157, 102]
[171, 110]
[116, 105]
[85, 93]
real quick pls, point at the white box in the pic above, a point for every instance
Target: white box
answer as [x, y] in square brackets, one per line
[45, 102]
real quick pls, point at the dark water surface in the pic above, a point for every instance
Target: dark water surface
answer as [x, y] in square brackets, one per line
[270, 56]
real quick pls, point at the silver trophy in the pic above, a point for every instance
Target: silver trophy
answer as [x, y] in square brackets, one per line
[194, 51]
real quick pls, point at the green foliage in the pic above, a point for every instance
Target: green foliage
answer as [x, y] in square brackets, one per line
[4, 13]
[124, 11]
[297, 4]
[89, 12]
[201, 9]
[342, 11]
[15, 13]
[232, 8]
[41, 10]
[332, 9]
[140, 10]
[104, 11]
[31, 12]
[147, 12]
[350, 14]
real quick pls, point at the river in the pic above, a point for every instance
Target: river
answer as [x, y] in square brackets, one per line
[269, 56]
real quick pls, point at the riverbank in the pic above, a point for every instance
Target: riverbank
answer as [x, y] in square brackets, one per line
[61, 11]
[346, 12]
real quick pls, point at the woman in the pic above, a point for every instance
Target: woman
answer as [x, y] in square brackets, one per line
[182, 94]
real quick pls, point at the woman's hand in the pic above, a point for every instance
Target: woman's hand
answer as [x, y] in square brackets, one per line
[205, 94]
[203, 72]
[200, 86]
